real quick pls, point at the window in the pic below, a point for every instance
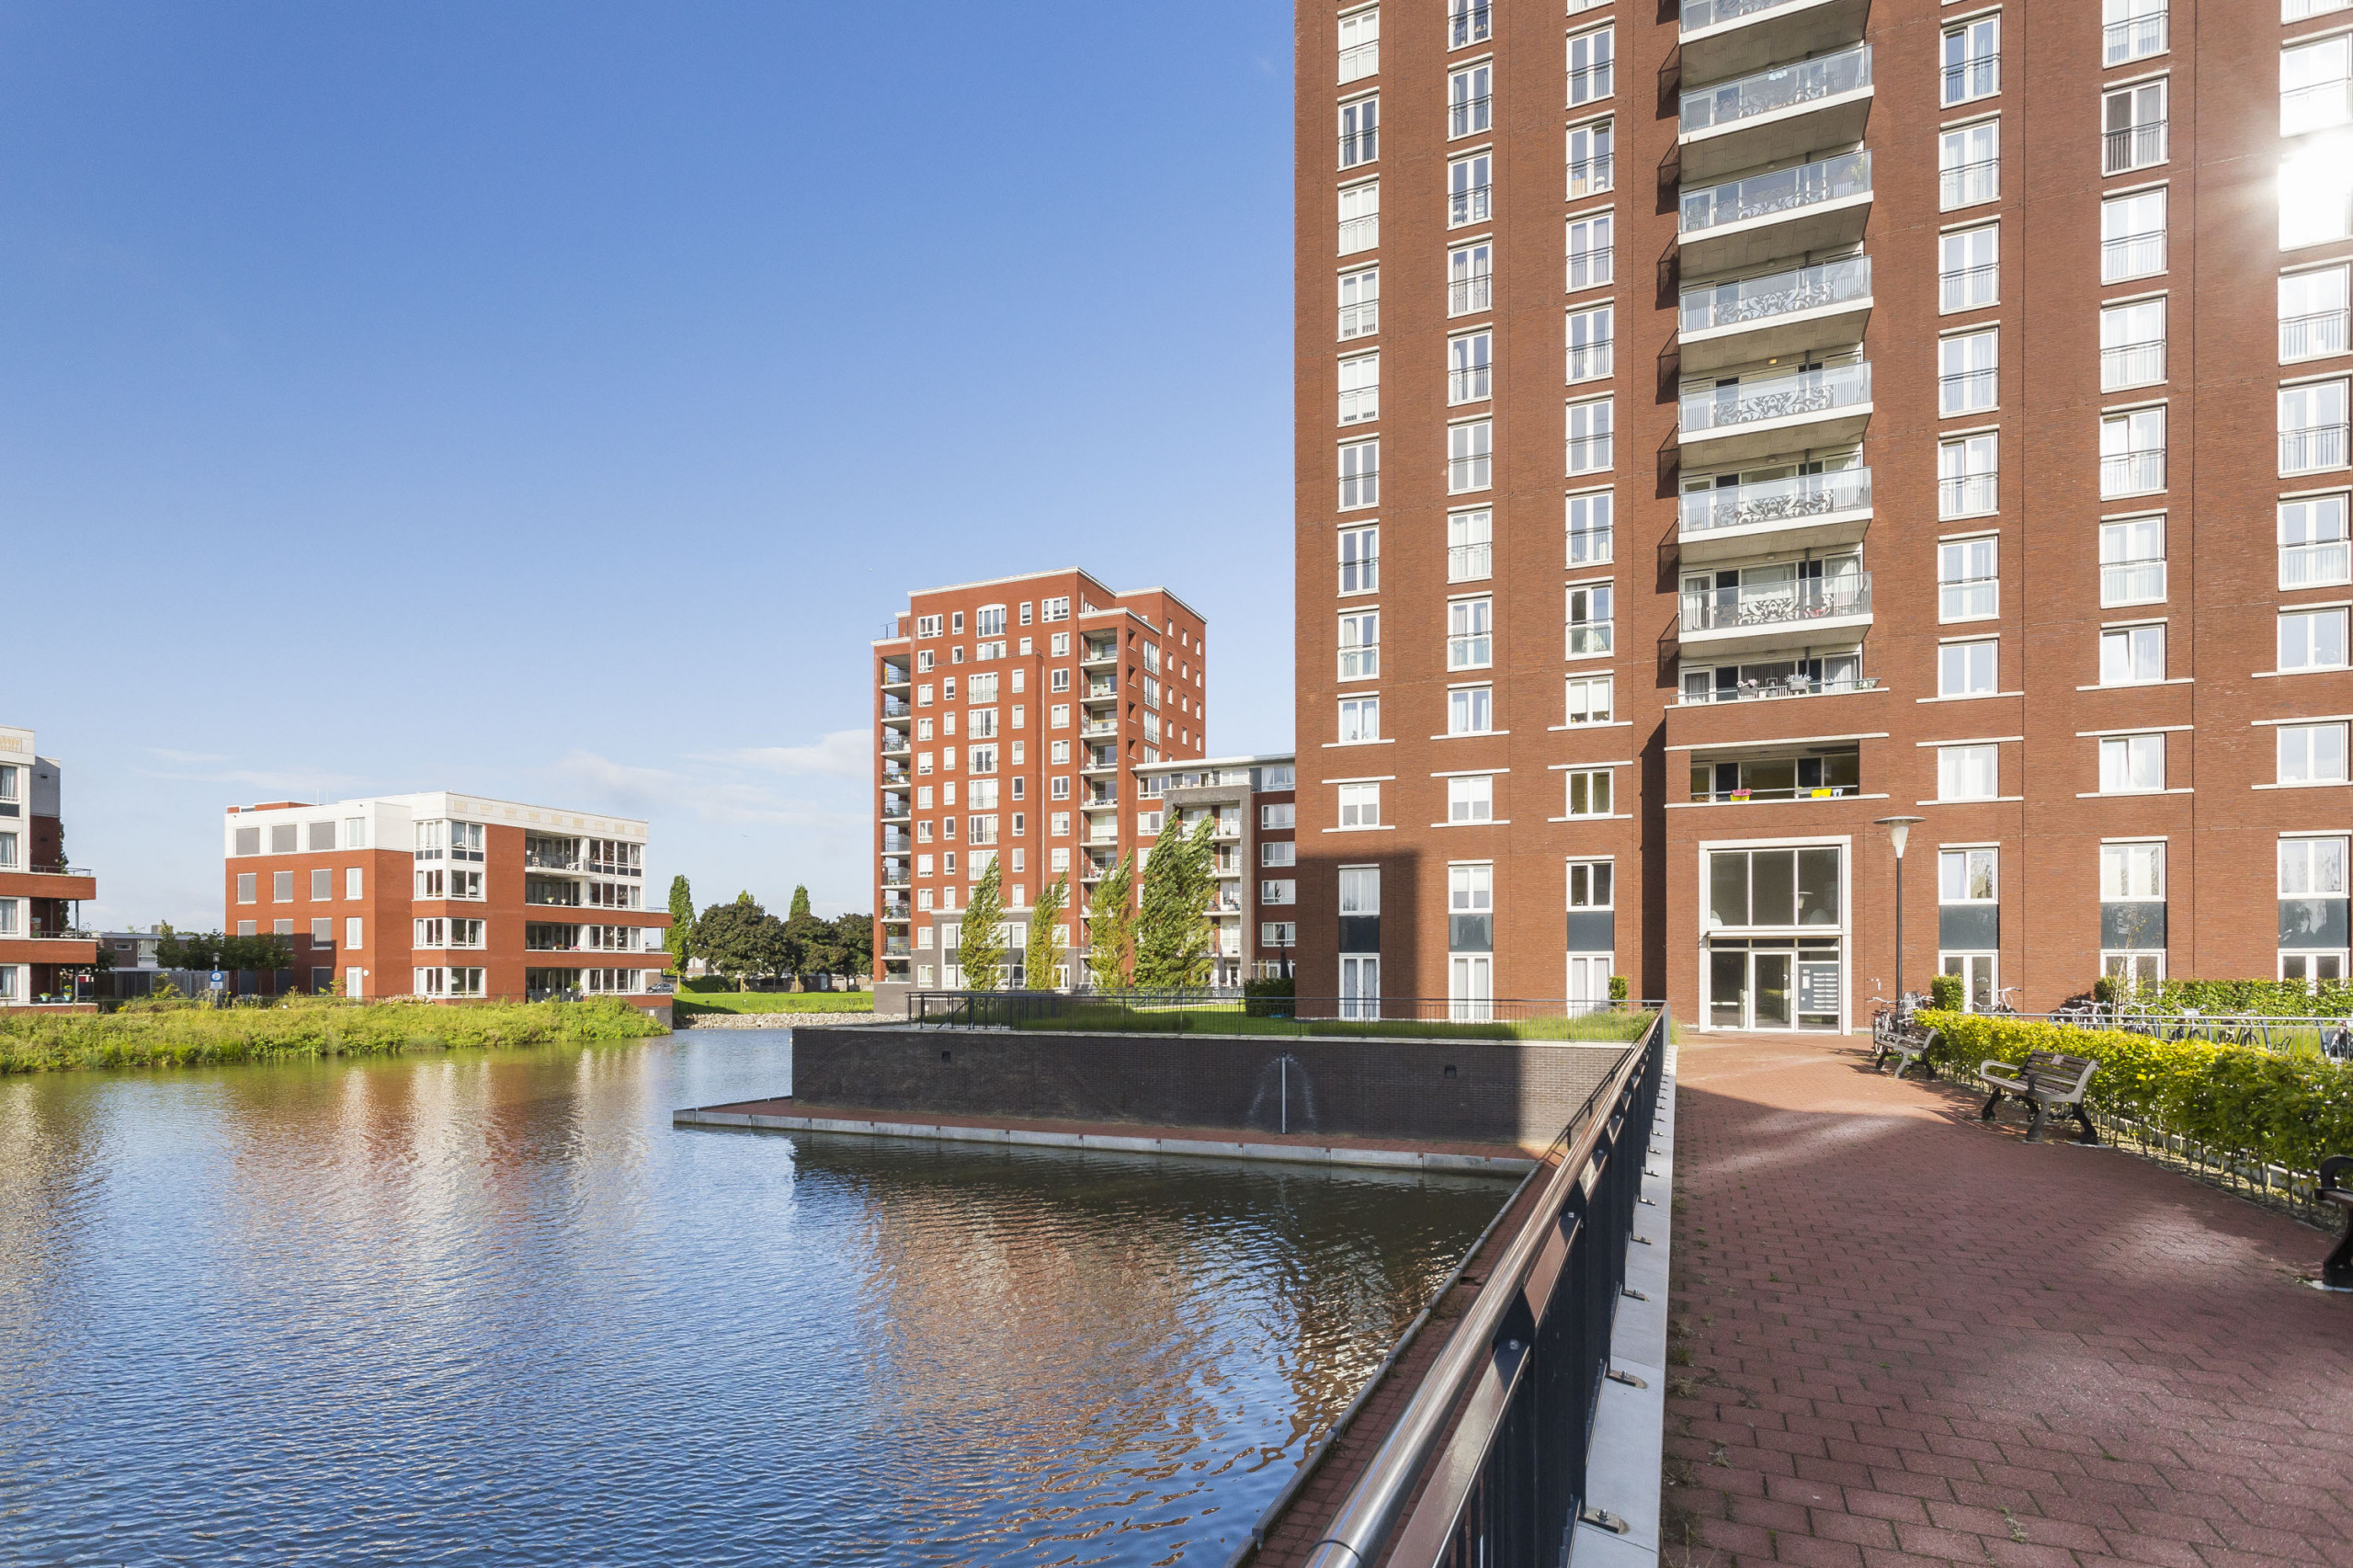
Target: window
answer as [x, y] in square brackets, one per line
[1967, 773]
[1359, 720]
[2131, 765]
[1592, 167]
[1592, 255]
[1591, 424]
[2313, 547]
[1968, 669]
[2132, 125]
[2133, 655]
[1466, 22]
[1589, 531]
[1968, 269]
[2312, 640]
[1359, 560]
[2316, 84]
[2131, 872]
[1471, 800]
[1589, 884]
[1965, 875]
[2132, 453]
[1360, 646]
[246, 892]
[2315, 194]
[322, 884]
[1360, 474]
[1469, 455]
[1469, 634]
[1360, 44]
[1471, 711]
[1470, 279]
[2132, 237]
[1278, 852]
[1589, 700]
[989, 621]
[2312, 428]
[1359, 303]
[352, 877]
[1588, 792]
[1968, 372]
[1470, 371]
[1972, 60]
[2311, 753]
[1469, 100]
[1591, 340]
[1470, 546]
[1359, 216]
[1967, 584]
[1359, 388]
[1968, 470]
[2132, 29]
[320, 838]
[1360, 132]
[281, 887]
[1469, 190]
[1969, 164]
[2312, 313]
[1360, 805]
[1283, 892]
[1591, 59]
[2311, 867]
[2132, 562]
[2132, 345]
[1589, 620]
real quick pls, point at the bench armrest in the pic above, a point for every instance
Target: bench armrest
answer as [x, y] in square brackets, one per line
[2001, 1073]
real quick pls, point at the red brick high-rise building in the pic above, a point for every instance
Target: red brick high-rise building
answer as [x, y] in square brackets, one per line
[1702, 456]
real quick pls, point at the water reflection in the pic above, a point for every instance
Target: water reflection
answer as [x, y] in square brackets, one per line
[497, 1310]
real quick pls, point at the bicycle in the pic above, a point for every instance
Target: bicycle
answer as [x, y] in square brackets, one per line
[2002, 1005]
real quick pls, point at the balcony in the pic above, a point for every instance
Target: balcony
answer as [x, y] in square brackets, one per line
[895, 811]
[1102, 759]
[895, 743]
[895, 707]
[1101, 689]
[1772, 115]
[894, 676]
[1786, 614]
[1770, 690]
[1806, 511]
[1776, 315]
[1092, 655]
[1747, 222]
[1730, 37]
[1764, 414]
[897, 843]
[2128, 147]
[2135, 38]
[2140, 581]
[2132, 472]
[1100, 729]
[550, 860]
[897, 913]
[2313, 448]
[2325, 563]
[2314, 334]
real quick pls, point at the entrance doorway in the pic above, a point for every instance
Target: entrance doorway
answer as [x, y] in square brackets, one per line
[1764, 984]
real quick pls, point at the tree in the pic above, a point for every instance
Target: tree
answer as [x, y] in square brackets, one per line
[981, 950]
[1174, 936]
[193, 950]
[799, 903]
[259, 953]
[679, 939]
[808, 941]
[854, 945]
[1110, 922]
[1045, 952]
[740, 940]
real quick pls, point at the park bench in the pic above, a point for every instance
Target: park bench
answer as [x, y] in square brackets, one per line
[2336, 1270]
[1905, 1041]
[2049, 1082]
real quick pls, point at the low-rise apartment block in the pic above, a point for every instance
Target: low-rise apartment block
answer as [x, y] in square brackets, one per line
[448, 897]
[43, 947]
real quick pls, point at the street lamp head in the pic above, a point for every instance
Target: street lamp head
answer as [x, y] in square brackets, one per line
[1898, 830]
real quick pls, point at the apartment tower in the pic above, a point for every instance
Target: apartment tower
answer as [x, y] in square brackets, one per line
[1010, 717]
[1700, 462]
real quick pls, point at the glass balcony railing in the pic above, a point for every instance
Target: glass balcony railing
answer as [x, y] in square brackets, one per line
[1748, 402]
[1698, 14]
[1777, 604]
[1783, 191]
[1783, 86]
[1749, 300]
[1790, 500]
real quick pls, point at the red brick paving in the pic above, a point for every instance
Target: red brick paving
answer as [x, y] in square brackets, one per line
[1913, 1339]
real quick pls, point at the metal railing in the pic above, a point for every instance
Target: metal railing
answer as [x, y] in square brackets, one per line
[1783, 396]
[1792, 500]
[2315, 334]
[1467, 23]
[1504, 1481]
[1968, 391]
[1469, 117]
[1754, 300]
[2133, 147]
[1591, 454]
[1783, 86]
[1592, 547]
[2134, 38]
[2131, 364]
[1980, 76]
[1197, 1011]
[2132, 473]
[1590, 637]
[1966, 288]
[2316, 564]
[1591, 360]
[1967, 494]
[2133, 255]
[1965, 185]
[1783, 191]
[1467, 295]
[1808, 598]
[1591, 84]
[1469, 563]
[2132, 582]
[1593, 266]
[2311, 447]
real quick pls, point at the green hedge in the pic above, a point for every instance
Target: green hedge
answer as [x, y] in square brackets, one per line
[2285, 1109]
[2263, 998]
[199, 1035]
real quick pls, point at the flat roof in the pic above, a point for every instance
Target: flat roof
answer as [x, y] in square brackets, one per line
[1260, 760]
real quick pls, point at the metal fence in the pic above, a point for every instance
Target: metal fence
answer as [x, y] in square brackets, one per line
[2331, 1036]
[1144, 1011]
[1504, 1486]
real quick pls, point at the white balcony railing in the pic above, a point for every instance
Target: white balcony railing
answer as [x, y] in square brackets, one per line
[2132, 582]
[1783, 396]
[2319, 564]
[1783, 191]
[1754, 300]
[2132, 473]
[2135, 38]
[1776, 604]
[2312, 336]
[2311, 448]
[1790, 500]
[1783, 86]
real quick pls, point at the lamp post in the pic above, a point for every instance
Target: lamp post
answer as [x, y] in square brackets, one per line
[1898, 830]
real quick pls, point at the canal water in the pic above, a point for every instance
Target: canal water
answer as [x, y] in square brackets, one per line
[493, 1309]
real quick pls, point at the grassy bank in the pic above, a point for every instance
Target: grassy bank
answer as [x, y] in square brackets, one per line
[689, 1001]
[300, 1029]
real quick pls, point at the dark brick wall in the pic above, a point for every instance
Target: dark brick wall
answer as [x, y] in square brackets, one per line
[1504, 1091]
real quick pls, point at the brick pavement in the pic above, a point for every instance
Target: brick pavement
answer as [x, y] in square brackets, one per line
[1912, 1340]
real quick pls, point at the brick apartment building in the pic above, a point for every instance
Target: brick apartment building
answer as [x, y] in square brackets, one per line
[1256, 864]
[1986, 466]
[448, 897]
[1010, 717]
[43, 947]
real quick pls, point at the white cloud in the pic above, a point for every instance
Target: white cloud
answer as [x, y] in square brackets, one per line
[707, 787]
[845, 754]
[170, 755]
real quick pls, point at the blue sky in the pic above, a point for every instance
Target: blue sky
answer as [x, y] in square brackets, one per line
[551, 401]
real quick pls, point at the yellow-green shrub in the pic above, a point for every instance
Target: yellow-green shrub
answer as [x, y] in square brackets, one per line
[2283, 1109]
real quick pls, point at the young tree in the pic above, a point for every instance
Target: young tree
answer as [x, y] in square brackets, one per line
[1110, 921]
[799, 903]
[680, 937]
[981, 948]
[1044, 954]
[1172, 932]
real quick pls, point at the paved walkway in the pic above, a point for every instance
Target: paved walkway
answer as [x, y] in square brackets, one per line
[1916, 1340]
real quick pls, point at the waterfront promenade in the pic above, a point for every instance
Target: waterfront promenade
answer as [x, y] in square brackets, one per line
[1916, 1340]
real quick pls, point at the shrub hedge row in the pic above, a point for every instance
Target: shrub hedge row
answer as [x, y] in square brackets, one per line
[2262, 998]
[2283, 1109]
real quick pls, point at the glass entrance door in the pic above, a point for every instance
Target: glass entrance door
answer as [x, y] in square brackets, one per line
[1770, 989]
[1774, 983]
[1976, 972]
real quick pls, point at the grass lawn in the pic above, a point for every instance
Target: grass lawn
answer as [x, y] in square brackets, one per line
[188, 1035]
[688, 1002]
